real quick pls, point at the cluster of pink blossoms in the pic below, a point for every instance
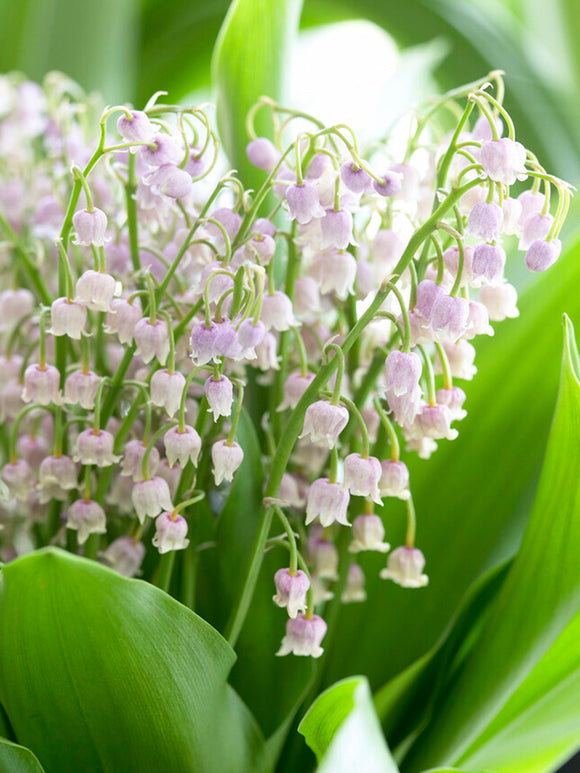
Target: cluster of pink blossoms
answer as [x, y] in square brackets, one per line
[142, 287]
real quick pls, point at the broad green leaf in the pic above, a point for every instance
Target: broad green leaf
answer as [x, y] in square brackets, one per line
[17, 759]
[342, 729]
[538, 727]
[177, 40]
[539, 599]
[251, 59]
[101, 673]
[405, 702]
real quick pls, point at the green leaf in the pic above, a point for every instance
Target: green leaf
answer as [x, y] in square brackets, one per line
[471, 503]
[342, 729]
[76, 38]
[251, 60]
[538, 727]
[98, 672]
[538, 601]
[406, 701]
[18, 759]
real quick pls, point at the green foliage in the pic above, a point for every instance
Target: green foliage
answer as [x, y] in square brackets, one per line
[527, 660]
[342, 729]
[17, 759]
[98, 672]
[250, 60]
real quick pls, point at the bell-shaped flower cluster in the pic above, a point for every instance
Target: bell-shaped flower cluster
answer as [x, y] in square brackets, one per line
[163, 310]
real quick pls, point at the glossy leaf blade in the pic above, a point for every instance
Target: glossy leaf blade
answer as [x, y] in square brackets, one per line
[539, 599]
[101, 673]
[342, 729]
[538, 728]
[17, 759]
[251, 60]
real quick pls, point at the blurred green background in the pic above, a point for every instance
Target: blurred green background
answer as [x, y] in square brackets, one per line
[128, 49]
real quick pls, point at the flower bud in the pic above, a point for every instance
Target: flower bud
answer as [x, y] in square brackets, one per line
[427, 293]
[355, 585]
[328, 502]
[171, 181]
[182, 447]
[250, 335]
[19, 478]
[449, 317]
[405, 566]
[291, 590]
[137, 128]
[132, 464]
[95, 290]
[294, 387]
[403, 372]
[152, 340]
[67, 318]
[220, 396]
[453, 398]
[80, 388]
[203, 343]
[461, 356]
[41, 385]
[368, 534]
[435, 421]
[167, 390]
[335, 271]
[501, 301]
[323, 423]
[478, 321]
[267, 353]
[322, 554]
[32, 448]
[96, 447]
[488, 263]
[122, 318]
[543, 254]
[362, 476]
[503, 160]
[170, 531]
[151, 497]
[355, 178]
[57, 475]
[485, 221]
[336, 229]
[226, 460]
[90, 226]
[303, 636]
[86, 517]
[303, 203]
[14, 306]
[451, 260]
[394, 480]
[262, 154]
[390, 185]
[277, 312]
[535, 227]
[162, 149]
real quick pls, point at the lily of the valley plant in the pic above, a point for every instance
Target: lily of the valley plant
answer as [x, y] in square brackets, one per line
[150, 305]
